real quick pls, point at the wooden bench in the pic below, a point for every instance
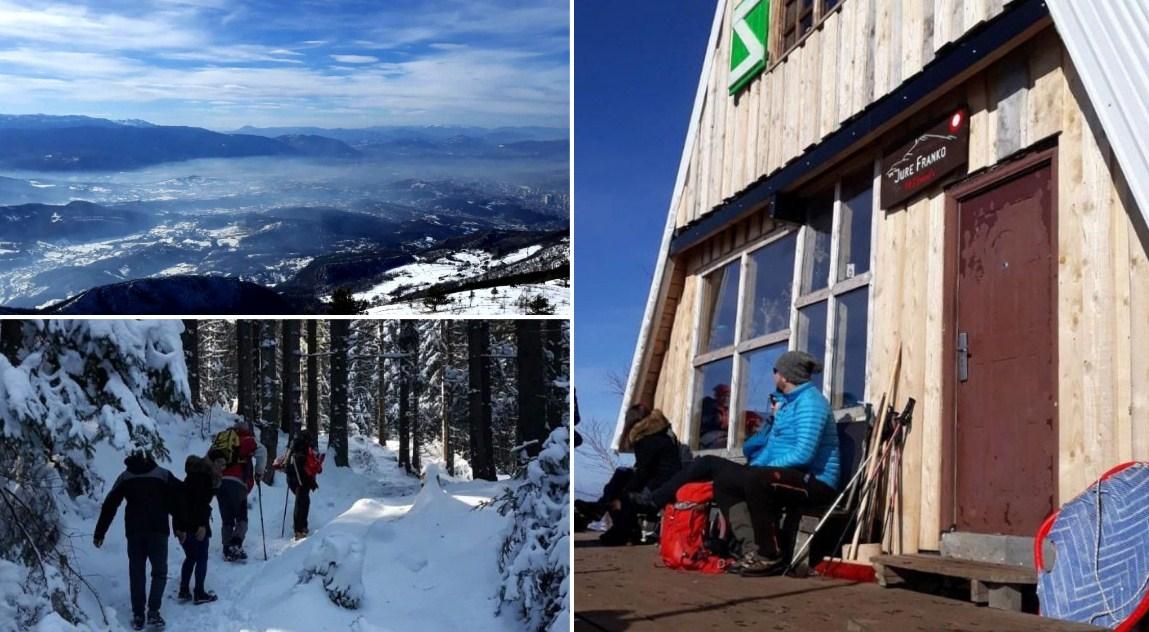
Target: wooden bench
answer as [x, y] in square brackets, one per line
[998, 585]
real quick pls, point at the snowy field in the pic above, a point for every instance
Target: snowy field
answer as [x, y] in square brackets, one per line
[427, 555]
[507, 299]
[458, 266]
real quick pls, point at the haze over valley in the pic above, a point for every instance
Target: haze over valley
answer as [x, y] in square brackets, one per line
[307, 211]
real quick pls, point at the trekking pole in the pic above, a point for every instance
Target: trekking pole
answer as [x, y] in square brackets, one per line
[283, 525]
[262, 535]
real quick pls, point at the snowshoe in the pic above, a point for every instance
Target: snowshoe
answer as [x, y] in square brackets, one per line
[206, 597]
[184, 596]
[155, 620]
[137, 622]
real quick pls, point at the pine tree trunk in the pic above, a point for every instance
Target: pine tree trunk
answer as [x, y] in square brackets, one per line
[479, 384]
[243, 369]
[312, 377]
[381, 405]
[416, 415]
[190, 339]
[11, 337]
[531, 372]
[558, 354]
[270, 395]
[338, 419]
[444, 395]
[405, 344]
[291, 390]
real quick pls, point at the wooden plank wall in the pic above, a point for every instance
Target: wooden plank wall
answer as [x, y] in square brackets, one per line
[859, 53]
[1103, 288]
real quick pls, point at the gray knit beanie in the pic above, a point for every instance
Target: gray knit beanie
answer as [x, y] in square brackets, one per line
[797, 366]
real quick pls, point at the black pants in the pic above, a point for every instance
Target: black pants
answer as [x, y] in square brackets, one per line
[769, 491]
[196, 560]
[232, 496]
[302, 506]
[729, 480]
[142, 549]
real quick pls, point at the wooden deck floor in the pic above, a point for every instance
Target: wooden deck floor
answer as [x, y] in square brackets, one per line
[623, 589]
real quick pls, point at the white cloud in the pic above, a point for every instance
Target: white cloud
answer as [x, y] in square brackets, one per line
[355, 59]
[72, 26]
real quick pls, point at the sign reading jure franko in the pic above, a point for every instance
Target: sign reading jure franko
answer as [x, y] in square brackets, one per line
[923, 161]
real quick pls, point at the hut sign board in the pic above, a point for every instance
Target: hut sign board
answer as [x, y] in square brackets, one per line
[748, 42]
[925, 160]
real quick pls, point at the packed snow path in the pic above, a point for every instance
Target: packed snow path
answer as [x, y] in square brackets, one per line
[429, 557]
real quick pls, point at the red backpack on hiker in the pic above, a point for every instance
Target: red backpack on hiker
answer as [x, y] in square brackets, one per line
[685, 524]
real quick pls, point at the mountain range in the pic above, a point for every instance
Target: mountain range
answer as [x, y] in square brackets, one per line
[82, 143]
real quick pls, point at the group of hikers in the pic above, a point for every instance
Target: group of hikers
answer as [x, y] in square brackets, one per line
[232, 467]
[791, 460]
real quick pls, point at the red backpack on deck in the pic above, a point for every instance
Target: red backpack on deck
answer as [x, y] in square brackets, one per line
[685, 524]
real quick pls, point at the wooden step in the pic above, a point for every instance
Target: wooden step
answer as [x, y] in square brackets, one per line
[998, 585]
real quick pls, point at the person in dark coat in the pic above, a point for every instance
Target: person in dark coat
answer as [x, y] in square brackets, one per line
[193, 528]
[657, 458]
[301, 478]
[152, 493]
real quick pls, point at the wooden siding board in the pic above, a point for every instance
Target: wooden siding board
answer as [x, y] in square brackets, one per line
[811, 93]
[1139, 333]
[883, 47]
[980, 154]
[1010, 83]
[847, 65]
[863, 92]
[828, 112]
[932, 414]
[1122, 329]
[1071, 350]
[1043, 105]
[1097, 289]
[914, 261]
[791, 78]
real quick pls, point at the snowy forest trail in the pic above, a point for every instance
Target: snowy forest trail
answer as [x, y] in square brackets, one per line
[418, 543]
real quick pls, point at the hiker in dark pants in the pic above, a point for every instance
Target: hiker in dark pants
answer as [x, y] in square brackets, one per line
[152, 493]
[302, 466]
[794, 460]
[193, 529]
[241, 461]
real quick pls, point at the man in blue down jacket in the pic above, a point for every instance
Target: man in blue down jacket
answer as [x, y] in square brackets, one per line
[152, 493]
[793, 461]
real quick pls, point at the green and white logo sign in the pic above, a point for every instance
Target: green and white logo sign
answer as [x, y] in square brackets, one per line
[748, 43]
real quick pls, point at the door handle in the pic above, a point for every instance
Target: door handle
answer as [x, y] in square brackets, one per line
[963, 356]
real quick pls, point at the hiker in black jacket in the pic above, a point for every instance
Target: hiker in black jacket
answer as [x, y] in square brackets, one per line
[301, 479]
[151, 492]
[193, 528]
[657, 458]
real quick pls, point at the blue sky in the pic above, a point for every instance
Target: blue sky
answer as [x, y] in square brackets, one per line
[636, 73]
[332, 63]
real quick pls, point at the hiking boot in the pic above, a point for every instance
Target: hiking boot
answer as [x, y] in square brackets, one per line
[735, 567]
[756, 565]
[614, 537]
[299, 535]
[184, 596]
[206, 597]
[155, 620]
[241, 555]
[137, 621]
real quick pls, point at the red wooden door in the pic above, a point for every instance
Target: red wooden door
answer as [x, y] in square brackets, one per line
[1004, 441]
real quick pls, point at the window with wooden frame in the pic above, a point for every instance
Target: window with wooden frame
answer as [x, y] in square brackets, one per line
[805, 288]
[796, 18]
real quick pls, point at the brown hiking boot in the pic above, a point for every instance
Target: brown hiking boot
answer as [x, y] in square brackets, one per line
[755, 565]
[299, 535]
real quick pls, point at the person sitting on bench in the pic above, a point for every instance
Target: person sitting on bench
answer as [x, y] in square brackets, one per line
[797, 460]
[656, 459]
[793, 460]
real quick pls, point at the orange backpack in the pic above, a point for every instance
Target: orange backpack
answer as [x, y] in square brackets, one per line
[682, 542]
